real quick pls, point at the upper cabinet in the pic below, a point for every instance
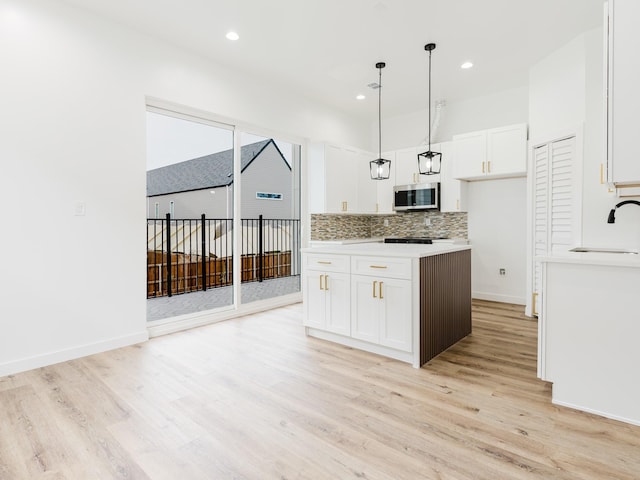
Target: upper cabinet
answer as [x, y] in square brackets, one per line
[495, 153]
[622, 93]
[407, 166]
[339, 180]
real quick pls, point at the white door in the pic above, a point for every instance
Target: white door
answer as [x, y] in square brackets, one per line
[336, 288]
[395, 313]
[365, 306]
[556, 204]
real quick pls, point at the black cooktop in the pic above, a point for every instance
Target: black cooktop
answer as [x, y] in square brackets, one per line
[423, 240]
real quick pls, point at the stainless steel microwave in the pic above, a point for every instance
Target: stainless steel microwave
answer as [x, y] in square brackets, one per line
[420, 196]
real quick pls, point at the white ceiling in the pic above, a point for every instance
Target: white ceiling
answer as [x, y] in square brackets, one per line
[327, 49]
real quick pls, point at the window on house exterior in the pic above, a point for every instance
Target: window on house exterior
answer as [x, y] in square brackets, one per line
[156, 211]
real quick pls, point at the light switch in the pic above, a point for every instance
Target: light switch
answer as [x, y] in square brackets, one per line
[80, 209]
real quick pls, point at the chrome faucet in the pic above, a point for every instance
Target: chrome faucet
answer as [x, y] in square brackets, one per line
[612, 213]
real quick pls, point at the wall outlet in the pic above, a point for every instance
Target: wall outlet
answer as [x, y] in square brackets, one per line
[503, 271]
[386, 222]
[427, 222]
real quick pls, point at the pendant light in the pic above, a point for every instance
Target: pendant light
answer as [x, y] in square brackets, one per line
[380, 168]
[429, 162]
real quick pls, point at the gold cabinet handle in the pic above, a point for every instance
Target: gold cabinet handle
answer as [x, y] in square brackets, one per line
[326, 282]
[488, 167]
[380, 290]
[321, 288]
[322, 262]
[458, 204]
[374, 289]
[482, 167]
[344, 206]
[377, 266]
[602, 174]
[534, 297]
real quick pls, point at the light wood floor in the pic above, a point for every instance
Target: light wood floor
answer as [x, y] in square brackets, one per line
[255, 399]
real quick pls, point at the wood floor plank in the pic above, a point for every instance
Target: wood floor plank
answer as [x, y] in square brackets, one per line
[254, 398]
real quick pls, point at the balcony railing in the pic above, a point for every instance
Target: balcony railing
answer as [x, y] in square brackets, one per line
[187, 255]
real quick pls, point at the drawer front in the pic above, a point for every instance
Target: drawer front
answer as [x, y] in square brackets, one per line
[381, 266]
[326, 263]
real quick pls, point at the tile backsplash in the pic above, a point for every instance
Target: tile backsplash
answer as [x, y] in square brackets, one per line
[414, 224]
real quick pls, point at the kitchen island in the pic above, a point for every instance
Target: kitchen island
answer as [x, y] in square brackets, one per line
[589, 327]
[405, 301]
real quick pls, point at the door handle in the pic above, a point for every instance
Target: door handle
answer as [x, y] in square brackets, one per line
[320, 277]
[380, 290]
[326, 282]
[374, 288]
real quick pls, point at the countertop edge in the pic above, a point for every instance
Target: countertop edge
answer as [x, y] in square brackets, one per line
[386, 249]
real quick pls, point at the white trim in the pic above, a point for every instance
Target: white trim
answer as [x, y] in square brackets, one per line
[72, 353]
[496, 297]
[596, 412]
[192, 320]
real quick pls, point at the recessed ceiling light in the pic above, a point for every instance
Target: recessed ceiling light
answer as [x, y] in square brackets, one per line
[233, 36]
[466, 65]
[360, 97]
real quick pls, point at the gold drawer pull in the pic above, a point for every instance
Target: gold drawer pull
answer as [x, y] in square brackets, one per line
[323, 262]
[326, 282]
[482, 167]
[488, 167]
[380, 290]
[377, 266]
[602, 174]
[374, 289]
[534, 299]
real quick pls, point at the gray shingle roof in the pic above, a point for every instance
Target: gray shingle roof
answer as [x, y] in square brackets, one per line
[210, 171]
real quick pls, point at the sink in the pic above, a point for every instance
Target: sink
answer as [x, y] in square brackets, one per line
[604, 250]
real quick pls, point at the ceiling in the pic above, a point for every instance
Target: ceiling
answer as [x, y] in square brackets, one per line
[327, 49]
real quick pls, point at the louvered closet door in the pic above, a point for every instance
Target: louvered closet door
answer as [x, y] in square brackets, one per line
[540, 216]
[554, 206]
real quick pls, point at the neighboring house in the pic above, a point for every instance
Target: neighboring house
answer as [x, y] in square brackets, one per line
[205, 185]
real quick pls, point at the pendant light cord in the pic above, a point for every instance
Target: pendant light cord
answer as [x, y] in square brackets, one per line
[429, 105]
[379, 112]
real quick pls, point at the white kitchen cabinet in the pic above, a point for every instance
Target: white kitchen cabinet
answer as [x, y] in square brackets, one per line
[384, 188]
[338, 180]
[367, 188]
[621, 92]
[494, 153]
[588, 333]
[326, 284]
[407, 166]
[381, 311]
[381, 301]
[453, 192]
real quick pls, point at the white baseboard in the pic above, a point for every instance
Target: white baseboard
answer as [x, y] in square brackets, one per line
[597, 412]
[199, 319]
[37, 361]
[496, 297]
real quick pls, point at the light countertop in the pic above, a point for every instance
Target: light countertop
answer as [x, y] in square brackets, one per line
[387, 249]
[594, 258]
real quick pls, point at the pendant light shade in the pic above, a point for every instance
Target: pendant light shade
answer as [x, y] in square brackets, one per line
[429, 162]
[380, 168]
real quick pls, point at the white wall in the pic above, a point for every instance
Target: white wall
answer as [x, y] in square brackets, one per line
[497, 225]
[72, 130]
[409, 130]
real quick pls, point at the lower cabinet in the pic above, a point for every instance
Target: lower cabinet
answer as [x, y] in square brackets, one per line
[381, 311]
[327, 301]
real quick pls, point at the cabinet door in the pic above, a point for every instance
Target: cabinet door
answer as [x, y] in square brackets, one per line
[314, 300]
[384, 188]
[470, 153]
[337, 308]
[406, 166]
[624, 98]
[395, 313]
[341, 180]
[367, 188]
[364, 308]
[452, 191]
[507, 151]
